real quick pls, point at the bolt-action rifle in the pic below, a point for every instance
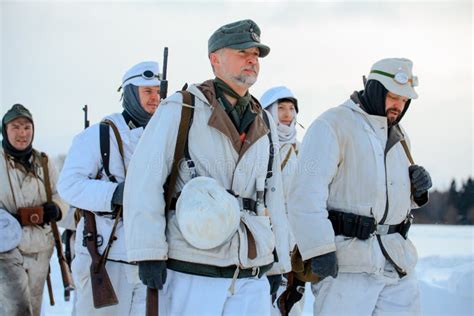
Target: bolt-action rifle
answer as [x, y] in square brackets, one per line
[152, 294]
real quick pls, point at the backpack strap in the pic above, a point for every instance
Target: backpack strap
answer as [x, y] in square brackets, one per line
[105, 125]
[187, 112]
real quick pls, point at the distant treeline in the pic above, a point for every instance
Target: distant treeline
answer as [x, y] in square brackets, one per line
[454, 207]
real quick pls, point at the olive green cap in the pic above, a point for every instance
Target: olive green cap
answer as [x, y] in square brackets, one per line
[15, 112]
[237, 35]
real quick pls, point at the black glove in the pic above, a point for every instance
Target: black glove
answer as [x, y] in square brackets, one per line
[293, 294]
[117, 198]
[152, 273]
[325, 265]
[275, 282]
[51, 212]
[421, 182]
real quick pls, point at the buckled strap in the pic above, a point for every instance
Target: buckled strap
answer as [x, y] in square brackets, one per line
[112, 214]
[214, 271]
[362, 227]
[245, 204]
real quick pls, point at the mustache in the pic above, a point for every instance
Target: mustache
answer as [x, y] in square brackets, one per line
[393, 110]
[251, 67]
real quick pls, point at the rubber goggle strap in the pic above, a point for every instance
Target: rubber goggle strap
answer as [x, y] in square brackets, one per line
[141, 75]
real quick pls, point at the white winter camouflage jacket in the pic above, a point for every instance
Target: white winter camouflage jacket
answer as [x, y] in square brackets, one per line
[78, 184]
[28, 191]
[217, 151]
[343, 166]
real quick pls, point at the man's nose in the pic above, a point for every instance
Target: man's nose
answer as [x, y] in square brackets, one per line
[399, 104]
[252, 60]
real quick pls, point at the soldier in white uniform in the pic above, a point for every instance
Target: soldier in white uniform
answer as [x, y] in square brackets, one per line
[86, 184]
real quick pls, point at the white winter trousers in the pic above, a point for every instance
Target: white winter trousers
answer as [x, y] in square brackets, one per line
[22, 279]
[186, 294]
[365, 294]
[130, 291]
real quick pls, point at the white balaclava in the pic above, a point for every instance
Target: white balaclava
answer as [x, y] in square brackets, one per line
[286, 134]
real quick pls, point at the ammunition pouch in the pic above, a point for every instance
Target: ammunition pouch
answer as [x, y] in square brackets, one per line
[363, 227]
[302, 269]
[30, 215]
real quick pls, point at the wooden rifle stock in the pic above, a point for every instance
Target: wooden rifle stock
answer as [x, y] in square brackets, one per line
[65, 272]
[50, 288]
[102, 290]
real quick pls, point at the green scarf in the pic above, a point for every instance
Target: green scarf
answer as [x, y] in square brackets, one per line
[242, 102]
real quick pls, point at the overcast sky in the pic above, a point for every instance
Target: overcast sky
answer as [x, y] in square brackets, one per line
[57, 56]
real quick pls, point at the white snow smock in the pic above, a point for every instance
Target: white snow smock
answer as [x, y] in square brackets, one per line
[343, 166]
[218, 152]
[78, 183]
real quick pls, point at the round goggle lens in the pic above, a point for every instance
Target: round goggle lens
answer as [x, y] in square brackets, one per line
[401, 78]
[148, 74]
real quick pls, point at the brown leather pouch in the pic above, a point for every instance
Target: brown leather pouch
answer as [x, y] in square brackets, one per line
[30, 215]
[302, 269]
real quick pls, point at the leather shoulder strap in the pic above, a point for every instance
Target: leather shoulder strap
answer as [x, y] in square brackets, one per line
[105, 146]
[187, 112]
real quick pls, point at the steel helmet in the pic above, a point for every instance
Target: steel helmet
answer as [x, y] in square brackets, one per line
[10, 231]
[207, 214]
[274, 94]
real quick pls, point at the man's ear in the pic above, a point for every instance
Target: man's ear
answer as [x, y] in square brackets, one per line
[214, 58]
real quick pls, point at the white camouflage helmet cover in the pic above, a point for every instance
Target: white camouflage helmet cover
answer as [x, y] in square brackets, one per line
[144, 74]
[276, 93]
[395, 74]
[207, 214]
[10, 231]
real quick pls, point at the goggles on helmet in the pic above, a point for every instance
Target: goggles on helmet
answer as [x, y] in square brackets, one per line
[400, 77]
[147, 75]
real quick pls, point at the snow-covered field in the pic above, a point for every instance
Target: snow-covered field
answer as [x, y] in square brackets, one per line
[445, 271]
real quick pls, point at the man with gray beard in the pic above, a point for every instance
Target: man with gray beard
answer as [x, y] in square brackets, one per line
[214, 243]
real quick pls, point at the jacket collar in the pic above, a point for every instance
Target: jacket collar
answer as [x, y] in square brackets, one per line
[393, 134]
[221, 121]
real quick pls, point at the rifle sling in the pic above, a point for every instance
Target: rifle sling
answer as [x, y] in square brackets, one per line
[47, 183]
[105, 153]
[407, 151]
[287, 157]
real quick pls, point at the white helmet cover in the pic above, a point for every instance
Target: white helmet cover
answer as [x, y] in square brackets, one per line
[10, 231]
[207, 214]
[276, 93]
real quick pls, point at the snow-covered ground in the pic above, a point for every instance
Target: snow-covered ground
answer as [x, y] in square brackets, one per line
[445, 271]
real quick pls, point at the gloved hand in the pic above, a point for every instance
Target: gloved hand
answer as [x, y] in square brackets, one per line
[117, 198]
[152, 273]
[51, 212]
[325, 265]
[293, 294]
[420, 180]
[275, 282]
